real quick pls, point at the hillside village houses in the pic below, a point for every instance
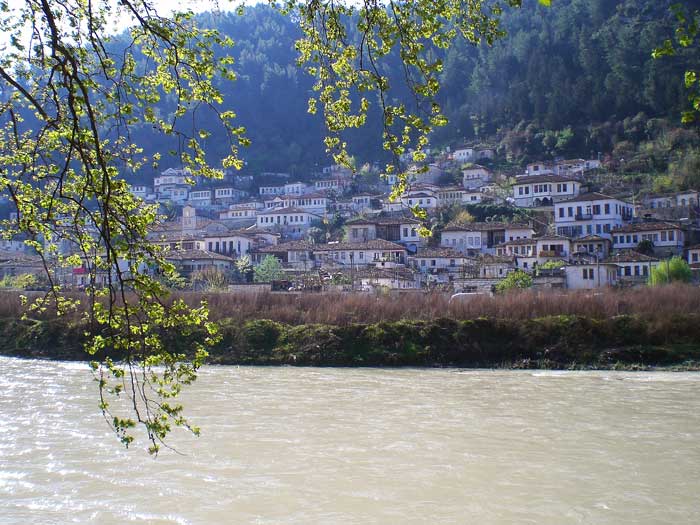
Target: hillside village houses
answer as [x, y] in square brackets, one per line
[591, 213]
[544, 190]
[584, 238]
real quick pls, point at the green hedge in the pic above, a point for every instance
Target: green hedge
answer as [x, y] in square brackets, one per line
[549, 342]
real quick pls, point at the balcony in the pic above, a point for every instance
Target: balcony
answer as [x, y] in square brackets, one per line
[584, 216]
[552, 253]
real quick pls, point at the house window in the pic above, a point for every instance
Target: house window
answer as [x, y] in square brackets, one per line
[607, 209]
[694, 257]
[671, 235]
[596, 209]
[571, 212]
[405, 232]
[561, 212]
[663, 236]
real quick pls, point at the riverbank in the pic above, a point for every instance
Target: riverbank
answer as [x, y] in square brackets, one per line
[554, 342]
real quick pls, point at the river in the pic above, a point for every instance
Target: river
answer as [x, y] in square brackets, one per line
[360, 446]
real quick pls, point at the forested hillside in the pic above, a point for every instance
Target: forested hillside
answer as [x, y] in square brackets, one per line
[563, 82]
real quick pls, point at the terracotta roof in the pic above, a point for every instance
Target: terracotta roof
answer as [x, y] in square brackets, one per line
[518, 242]
[594, 196]
[487, 226]
[401, 273]
[626, 256]
[181, 255]
[669, 195]
[287, 246]
[487, 258]
[552, 238]
[273, 211]
[383, 220]
[589, 238]
[534, 179]
[374, 244]
[418, 194]
[645, 227]
[438, 252]
[693, 247]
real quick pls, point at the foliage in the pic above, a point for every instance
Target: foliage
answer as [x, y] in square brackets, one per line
[645, 247]
[671, 270]
[27, 281]
[209, 279]
[71, 100]
[244, 270]
[551, 265]
[269, 269]
[684, 38]
[515, 280]
[463, 218]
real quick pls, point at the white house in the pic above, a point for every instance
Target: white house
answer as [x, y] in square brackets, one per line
[314, 202]
[591, 245]
[246, 210]
[142, 192]
[476, 176]
[539, 168]
[667, 238]
[233, 244]
[423, 198]
[188, 262]
[363, 202]
[523, 250]
[575, 166]
[456, 195]
[544, 190]
[359, 254]
[268, 191]
[228, 195]
[463, 155]
[402, 230]
[173, 185]
[681, 199]
[289, 221]
[589, 275]
[633, 267]
[483, 236]
[200, 198]
[337, 185]
[552, 247]
[394, 279]
[443, 263]
[296, 188]
[591, 213]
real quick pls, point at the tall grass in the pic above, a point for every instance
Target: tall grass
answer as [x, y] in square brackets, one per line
[657, 303]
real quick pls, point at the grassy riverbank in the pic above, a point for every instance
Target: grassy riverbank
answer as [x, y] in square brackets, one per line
[556, 342]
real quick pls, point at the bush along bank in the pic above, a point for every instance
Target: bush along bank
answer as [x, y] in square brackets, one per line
[558, 342]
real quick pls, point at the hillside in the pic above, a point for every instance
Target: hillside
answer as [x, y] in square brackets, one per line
[561, 83]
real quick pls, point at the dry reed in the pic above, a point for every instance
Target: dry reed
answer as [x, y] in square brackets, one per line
[343, 309]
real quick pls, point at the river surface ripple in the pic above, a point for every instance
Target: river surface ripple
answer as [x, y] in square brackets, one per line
[360, 446]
